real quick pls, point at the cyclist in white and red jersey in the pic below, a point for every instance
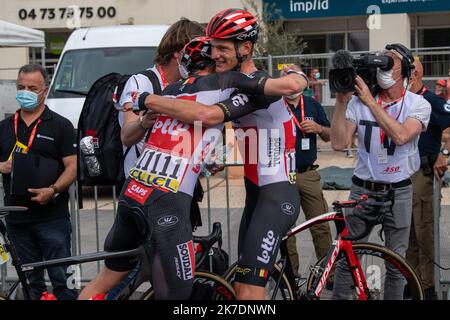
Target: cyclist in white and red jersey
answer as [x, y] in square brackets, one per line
[155, 200]
[272, 203]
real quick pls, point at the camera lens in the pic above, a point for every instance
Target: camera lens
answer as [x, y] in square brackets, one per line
[345, 80]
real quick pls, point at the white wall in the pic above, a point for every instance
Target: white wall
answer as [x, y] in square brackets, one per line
[12, 59]
[394, 28]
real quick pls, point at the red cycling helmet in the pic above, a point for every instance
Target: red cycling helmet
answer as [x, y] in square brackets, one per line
[196, 54]
[233, 24]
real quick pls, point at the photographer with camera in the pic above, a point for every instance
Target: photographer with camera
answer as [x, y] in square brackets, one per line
[389, 120]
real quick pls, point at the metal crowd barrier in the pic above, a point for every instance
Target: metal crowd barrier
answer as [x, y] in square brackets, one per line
[442, 285]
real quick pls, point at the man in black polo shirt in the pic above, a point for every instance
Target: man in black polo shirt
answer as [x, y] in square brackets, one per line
[420, 252]
[42, 232]
[311, 120]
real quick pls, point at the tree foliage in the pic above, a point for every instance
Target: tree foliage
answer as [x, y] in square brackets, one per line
[273, 36]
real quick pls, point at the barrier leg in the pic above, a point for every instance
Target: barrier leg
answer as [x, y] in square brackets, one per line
[437, 234]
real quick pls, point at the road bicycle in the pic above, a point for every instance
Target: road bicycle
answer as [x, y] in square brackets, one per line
[207, 285]
[368, 266]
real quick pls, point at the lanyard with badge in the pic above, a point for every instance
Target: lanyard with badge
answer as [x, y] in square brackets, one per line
[305, 142]
[19, 146]
[161, 71]
[382, 150]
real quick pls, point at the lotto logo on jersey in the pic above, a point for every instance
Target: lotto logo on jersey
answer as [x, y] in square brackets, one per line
[138, 192]
[147, 179]
[268, 246]
[186, 255]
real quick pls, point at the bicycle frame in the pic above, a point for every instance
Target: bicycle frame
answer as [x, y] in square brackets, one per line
[127, 288]
[339, 245]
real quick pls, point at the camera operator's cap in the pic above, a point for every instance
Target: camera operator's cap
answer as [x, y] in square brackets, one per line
[441, 82]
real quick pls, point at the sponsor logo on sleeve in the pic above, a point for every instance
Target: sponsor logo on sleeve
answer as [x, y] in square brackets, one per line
[168, 221]
[243, 271]
[288, 208]
[138, 192]
[447, 107]
[186, 255]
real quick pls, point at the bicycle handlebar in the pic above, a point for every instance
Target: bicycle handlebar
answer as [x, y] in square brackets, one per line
[209, 240]
[370, 213]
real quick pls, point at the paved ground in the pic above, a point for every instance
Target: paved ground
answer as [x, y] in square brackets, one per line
[218, 212]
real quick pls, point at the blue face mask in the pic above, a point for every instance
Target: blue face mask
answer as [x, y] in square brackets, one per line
[318, 75]
[27, 100]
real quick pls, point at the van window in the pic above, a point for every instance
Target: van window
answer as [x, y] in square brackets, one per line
[79, 69]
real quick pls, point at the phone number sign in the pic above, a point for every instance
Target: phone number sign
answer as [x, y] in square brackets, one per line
[71, 12]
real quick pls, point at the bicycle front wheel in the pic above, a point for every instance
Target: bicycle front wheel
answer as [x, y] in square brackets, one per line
[207, 286]
[387, 274]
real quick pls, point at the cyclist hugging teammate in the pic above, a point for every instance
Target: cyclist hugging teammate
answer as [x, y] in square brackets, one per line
[155, 200]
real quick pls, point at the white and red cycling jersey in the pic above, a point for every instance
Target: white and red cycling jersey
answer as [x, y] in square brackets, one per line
[266, 140]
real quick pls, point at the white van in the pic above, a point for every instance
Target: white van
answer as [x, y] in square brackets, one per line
[91, 53]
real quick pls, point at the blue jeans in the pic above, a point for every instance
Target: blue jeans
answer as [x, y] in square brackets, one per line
[45, 241]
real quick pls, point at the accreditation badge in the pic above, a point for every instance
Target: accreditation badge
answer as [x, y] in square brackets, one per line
[18, 147]
[305, 144]
[382, 155]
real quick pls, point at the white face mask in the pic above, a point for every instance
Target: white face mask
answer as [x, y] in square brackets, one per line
[385, 79]
[184, 74]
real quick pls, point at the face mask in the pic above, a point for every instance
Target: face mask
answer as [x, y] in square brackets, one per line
[317, 75]
[27, 100]
[182, 70]
[385, 79]
[294, 96]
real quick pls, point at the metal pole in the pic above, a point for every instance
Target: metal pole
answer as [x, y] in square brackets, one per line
[3, 269]
[437, 234]
[209, 215]
[96, 225]
[270, 65]
[114, 201]
[43, 57]
[4, 274]
[73, 218]
[227, 193]
[77, 211]
[208, 197]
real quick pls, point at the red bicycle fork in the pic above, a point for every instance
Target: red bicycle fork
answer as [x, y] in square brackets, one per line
[354, 265]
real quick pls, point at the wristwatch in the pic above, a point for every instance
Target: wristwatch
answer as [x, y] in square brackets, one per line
[55, 190]
[445, 152]
[299, 73]
[141, 122]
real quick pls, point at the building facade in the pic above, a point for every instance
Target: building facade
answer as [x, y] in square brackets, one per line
[323, 26]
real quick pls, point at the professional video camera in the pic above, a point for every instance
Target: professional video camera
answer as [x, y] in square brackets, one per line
[346, 68]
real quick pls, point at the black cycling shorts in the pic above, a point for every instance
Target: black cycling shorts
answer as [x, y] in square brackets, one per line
[143, 214]
[270, 211]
